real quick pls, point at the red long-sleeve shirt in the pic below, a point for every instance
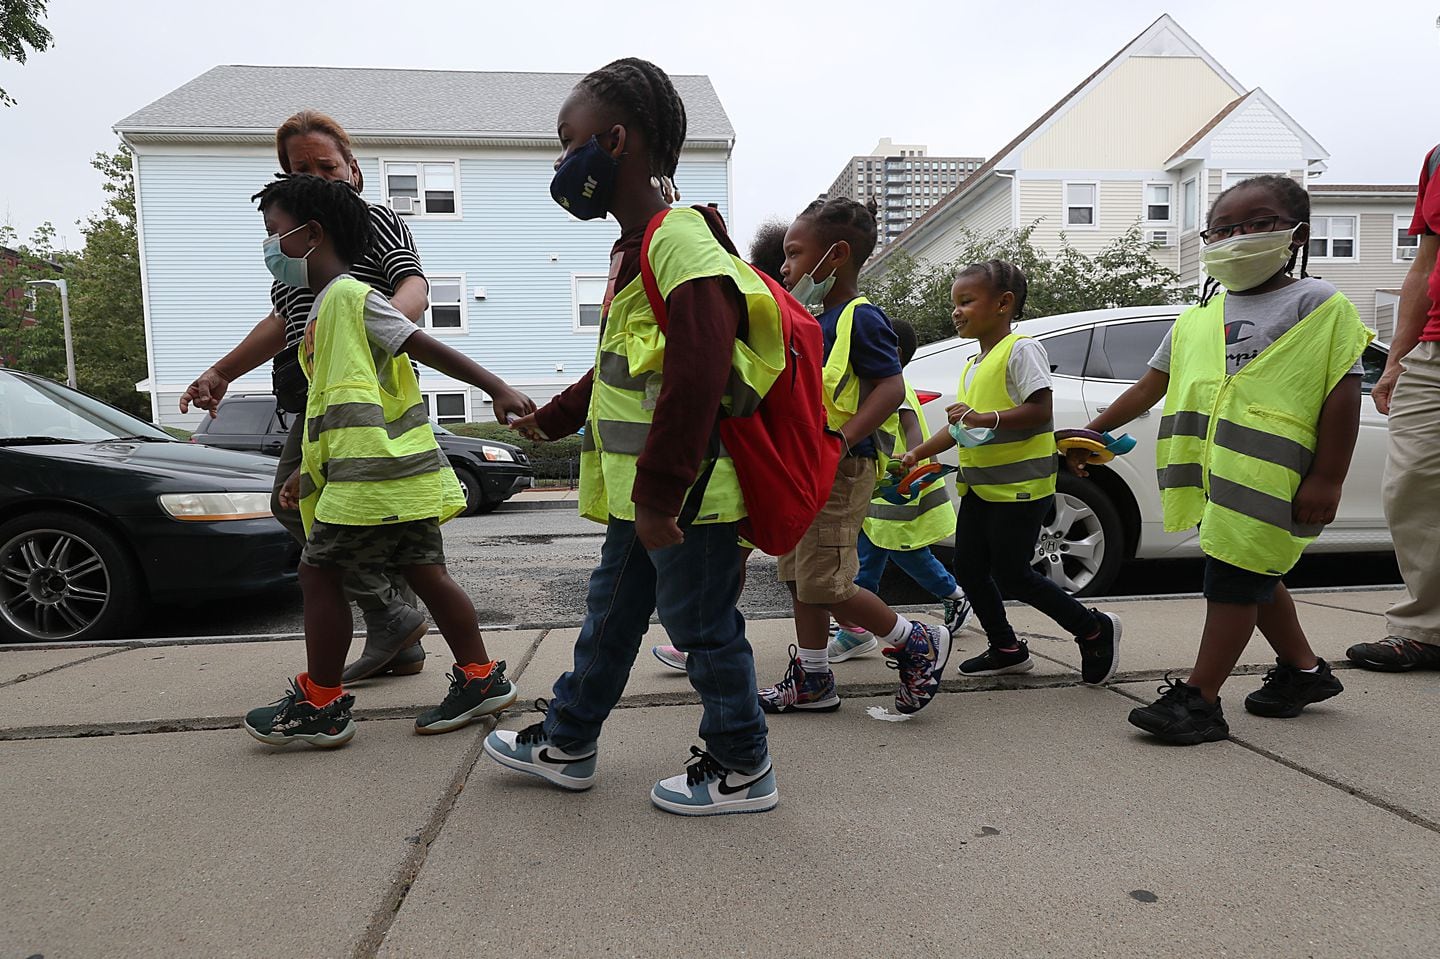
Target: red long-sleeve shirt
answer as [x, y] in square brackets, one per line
[705, 316]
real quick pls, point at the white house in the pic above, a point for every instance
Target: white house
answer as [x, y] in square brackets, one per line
[467, 157]
[1152, 137]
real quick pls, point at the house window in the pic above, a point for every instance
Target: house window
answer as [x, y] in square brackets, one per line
[1080, 203]
[426, 189]
[589, 298]
[446, 313]
[1332, 237]
[1406, 246]
[1190, 204]
[447, 408]
[1157, 202]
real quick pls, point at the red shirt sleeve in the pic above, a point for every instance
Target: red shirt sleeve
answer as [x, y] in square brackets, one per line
[565, 413]
[705, 317]
[1418, 225]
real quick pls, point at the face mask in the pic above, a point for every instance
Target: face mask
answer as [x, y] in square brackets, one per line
[1245, 261]
[971, 436]
[289, 270]
[585, 180]
[811, 294]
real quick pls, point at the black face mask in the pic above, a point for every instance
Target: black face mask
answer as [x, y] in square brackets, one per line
[585, 181]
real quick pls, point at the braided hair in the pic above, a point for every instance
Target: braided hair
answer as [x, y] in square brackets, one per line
[1293, 198]
[845, 219]
[767, 250]
[333, 204]
[643, 93]
[1003, 278]
[905, 333]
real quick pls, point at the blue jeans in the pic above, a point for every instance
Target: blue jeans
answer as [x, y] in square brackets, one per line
[919, 564]
[694, 586]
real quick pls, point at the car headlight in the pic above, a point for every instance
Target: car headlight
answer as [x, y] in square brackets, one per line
[210, 507]
[498, 454]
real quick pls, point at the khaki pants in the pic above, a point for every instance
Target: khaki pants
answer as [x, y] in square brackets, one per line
[1412, 494]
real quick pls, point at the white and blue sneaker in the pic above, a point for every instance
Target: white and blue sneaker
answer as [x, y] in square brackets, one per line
[847, 643]
[531, 751]
[709, 789]
[957, 614]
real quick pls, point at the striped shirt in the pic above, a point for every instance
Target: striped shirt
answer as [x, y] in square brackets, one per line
[391, 259]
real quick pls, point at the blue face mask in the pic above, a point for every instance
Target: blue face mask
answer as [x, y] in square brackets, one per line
[811, 294]
[289, 270]
[585, 180]
[971, 436]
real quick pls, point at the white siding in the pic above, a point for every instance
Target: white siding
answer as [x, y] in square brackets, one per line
[1120, 207]
[1374, 269]
[1252, 137]
[989, 212]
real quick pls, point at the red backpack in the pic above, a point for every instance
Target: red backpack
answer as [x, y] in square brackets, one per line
[784, 458]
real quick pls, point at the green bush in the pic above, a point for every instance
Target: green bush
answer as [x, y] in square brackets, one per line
[177, 432]
[559, 460]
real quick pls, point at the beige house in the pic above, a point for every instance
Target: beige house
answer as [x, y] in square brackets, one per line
[1151, 138]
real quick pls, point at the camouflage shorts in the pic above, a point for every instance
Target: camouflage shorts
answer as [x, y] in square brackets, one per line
[375, 548]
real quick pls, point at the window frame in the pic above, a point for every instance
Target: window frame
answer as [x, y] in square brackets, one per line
[1088, 332]
[1354, 238]
[419, 164]
[428, 397]
[1098, 366]
[1066, 206]
[1169, 202]
[575, 280]
[427, 319]
[1190, 212]
[1402, 225]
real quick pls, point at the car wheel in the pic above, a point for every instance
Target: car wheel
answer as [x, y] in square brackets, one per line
[63, 577]
[470, 486]
[1082, 541]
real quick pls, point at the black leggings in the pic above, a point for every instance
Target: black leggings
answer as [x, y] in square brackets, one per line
[994, 546]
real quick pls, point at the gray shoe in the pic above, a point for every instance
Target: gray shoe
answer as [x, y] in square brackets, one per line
[392, 645]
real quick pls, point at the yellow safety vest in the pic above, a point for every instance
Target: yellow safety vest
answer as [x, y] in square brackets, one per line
[368, 456]
[918, 524]
[1233, 449]
[629, 367]
[841, 387]
[1016, 465]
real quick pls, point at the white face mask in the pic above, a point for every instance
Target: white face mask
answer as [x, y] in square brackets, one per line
[971, 435]
[1246, 260]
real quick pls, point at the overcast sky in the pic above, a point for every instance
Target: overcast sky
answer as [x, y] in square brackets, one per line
[806, 85]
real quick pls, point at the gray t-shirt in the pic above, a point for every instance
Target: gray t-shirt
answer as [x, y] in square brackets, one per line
[1027, 373]
[386, 328]
[1254, 322]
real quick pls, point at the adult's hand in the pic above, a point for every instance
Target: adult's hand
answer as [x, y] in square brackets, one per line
[528, 427]
[206, 392]
[1385, 388]
[655, 529]
[509, 404]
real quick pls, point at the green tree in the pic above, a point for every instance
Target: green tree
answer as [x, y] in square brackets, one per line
[16, 318]
[20, 27]
[1124, 273]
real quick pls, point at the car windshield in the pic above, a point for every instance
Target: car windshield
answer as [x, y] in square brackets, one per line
[440, 429]
[39, 411]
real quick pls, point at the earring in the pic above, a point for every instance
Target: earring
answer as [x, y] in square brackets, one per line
[655, 183]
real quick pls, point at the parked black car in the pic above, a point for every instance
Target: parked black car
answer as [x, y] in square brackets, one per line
[490, 472]
[102, 513]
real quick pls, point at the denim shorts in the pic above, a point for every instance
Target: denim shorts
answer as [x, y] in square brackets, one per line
[1231, 584]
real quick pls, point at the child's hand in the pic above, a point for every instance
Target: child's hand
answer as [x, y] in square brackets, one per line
[1075, 461]
[1316, 501]
[527, 427]
[508, 403]
[290, 492]
[909, 460]
[957, 412]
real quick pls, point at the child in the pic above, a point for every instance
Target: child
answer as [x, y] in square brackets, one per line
[372, 487]
[649, 468]
[1007, 478]
[904, 533]
[824, 249]
[1262, 406]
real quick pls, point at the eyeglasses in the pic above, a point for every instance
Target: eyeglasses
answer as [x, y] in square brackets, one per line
[1261, 224]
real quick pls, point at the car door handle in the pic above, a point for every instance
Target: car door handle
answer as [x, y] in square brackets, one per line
[273, 447]
[1101, 409]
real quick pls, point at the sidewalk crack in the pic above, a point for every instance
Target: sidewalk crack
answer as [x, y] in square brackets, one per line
[26, 677]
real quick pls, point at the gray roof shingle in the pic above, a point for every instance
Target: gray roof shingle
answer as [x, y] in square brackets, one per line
[379, 101]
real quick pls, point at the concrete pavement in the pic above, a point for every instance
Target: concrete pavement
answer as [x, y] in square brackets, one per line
[1019, 816]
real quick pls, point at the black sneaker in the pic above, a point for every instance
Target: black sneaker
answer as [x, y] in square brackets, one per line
[292, 719]
[1288, 690]
[467, 701]
[1181, 716]
[1395, 655]
[1100, 655]
[997, 662]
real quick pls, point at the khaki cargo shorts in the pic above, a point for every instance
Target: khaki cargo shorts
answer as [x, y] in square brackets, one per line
[375, 548]
[824, 564]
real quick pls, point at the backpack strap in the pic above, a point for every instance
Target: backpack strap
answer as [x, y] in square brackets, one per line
[647, 273]
[1432, 162]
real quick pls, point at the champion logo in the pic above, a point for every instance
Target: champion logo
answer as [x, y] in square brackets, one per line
[590, 187]
[1237, 332]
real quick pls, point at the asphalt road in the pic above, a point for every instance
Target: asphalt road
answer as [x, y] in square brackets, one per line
[531, 566]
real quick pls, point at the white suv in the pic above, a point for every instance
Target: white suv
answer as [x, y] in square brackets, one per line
[1114, 516]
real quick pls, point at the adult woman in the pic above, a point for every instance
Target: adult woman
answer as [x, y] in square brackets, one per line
[311, 142]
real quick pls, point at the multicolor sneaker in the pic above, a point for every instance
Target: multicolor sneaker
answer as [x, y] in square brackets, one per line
[1181, 716]
[293, 718]
[957, 614]
[999, 662]
[920, 659]
[847, 643]
[670, 656]
[1394, 655]
[799, 690]
[468, 700]
[530, 750]
[707, 788]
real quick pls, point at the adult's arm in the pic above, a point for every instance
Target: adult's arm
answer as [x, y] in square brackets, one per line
[259, 345]
[1413, 313]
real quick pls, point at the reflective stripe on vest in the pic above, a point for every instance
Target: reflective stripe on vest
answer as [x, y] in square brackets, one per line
[1233, 450]
[629, 372]
[909, 526]
[368, 455]
[1016, 465]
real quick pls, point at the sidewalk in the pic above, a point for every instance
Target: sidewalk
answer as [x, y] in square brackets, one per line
[1018, 816]
[543, 498]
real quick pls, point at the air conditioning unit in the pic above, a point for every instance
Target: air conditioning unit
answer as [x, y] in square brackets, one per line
[1160, 237]
[1408, 252]
[404, 204]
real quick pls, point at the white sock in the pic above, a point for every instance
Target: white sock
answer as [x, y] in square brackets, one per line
[815, 660]
[1312, 669]
[898, 632]
[958, 594]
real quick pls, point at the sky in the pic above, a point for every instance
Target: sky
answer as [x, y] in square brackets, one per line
[806, 85]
